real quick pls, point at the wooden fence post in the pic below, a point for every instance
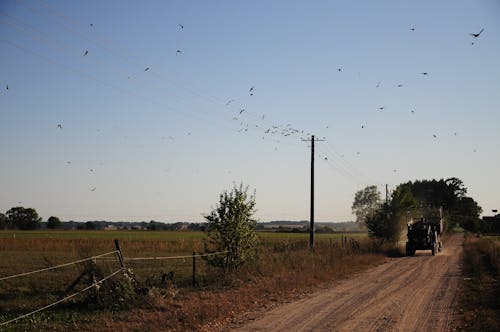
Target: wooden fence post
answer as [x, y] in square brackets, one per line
[194, 269]
[120, 256]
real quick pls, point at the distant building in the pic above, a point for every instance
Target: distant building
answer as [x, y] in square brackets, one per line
[492, 224]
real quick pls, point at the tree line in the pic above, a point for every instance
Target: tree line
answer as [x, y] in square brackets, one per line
[25, 219]
[387, 219]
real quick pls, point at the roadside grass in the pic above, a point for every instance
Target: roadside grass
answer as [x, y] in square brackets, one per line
[285, 268]
[284, 271]
[479, 298]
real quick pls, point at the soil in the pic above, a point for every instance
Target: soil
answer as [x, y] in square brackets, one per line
[415, 293]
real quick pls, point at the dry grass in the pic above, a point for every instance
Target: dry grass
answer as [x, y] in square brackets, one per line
[480, 291]
[285, 269]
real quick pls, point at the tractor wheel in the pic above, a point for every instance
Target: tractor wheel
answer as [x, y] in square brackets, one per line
[434, 249]
[409, 250]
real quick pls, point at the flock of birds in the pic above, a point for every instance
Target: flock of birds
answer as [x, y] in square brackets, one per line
[244, 119]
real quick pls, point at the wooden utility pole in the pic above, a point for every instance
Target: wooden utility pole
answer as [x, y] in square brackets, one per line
[386, 193]
[311, 226]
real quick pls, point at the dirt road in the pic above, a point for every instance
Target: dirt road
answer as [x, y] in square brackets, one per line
[405, 294]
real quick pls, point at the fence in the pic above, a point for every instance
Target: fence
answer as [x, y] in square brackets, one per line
[106, 256]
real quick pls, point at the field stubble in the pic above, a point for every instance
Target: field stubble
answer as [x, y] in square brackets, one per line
[285, 268]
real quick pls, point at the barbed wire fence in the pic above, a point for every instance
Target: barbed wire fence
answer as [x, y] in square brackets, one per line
[96, 284]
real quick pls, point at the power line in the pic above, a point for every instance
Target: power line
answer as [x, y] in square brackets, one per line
[77, 30]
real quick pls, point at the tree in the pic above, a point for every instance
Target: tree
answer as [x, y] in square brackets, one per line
[4, 221]
[53, 222]
[450, 194]
[467, 214]
[89, 225]
[231, 228]
[23, 218]
[366, 202]
[388, 221]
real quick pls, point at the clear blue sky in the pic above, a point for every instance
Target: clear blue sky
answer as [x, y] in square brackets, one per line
[163, 143]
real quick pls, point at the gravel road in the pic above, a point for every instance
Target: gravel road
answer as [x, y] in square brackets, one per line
[405, 294]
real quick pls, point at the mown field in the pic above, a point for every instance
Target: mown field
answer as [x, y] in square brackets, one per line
[282, 256]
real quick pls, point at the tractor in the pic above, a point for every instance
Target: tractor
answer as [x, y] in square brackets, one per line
[425, 234]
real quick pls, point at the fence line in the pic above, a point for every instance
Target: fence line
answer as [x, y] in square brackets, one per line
[173, 257]
[95, 284]
[62, 300]
[57, 266]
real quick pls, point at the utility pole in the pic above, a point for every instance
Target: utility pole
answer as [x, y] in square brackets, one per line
[311, 226]
[386, 193]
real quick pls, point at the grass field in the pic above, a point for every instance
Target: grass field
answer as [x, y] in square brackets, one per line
[20, 251]
[154, 235]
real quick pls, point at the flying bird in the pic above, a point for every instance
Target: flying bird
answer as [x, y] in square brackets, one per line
[86, 52]
[434, 135]
[339, 69]
[381, 108]
[6, 87]
[362, 126]
[412, 112]
[91, 25]
[475, 35]
[180, 26]
[378, 84]
[242, 110]
[251, 91]
[229, 102]
[400, 85]
[425, 73]
[178, 52]
[93, 189]
[146, 69]
[59, 126]
[412, 29]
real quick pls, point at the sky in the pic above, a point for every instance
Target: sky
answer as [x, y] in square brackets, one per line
[149, 110]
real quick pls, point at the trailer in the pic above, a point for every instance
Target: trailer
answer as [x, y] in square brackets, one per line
[425, 234]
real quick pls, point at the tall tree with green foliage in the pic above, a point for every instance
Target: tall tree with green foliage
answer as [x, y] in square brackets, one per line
[231, 227]
[389, 220]
[460, 210]
[53, 222]
[4, 221]
[366, 202]
[467, 213]
[23, 218]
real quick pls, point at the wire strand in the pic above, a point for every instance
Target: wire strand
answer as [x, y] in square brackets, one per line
[57, 266]
[62, 300]
[173, 257]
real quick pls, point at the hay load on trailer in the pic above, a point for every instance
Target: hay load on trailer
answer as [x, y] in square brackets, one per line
[425, 234]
